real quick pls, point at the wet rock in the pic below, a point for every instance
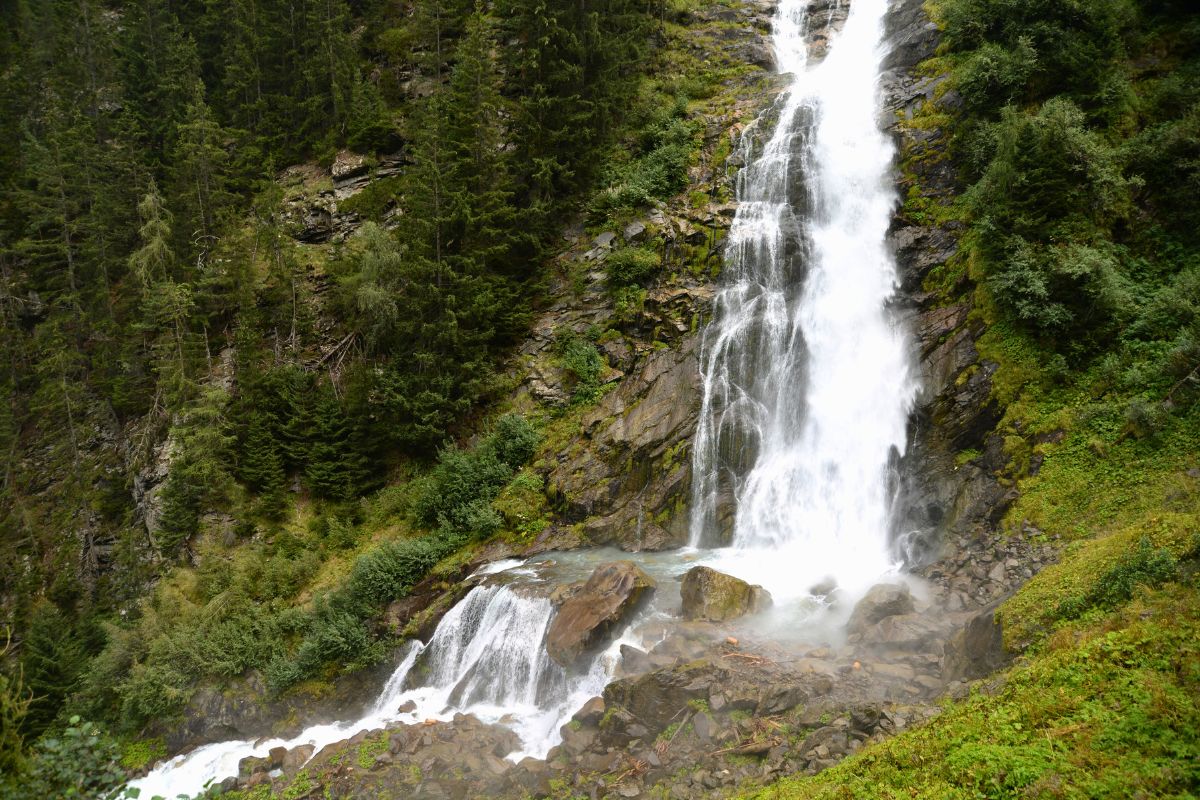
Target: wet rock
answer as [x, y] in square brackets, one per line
[977, 650]
[591, 713]
[660, 697]
[635, 661]
[865, 719]
[779, 698]
[296, 758]
[904, 632]
[717, 597]
[587, 620]
[881, 601]
[631, 467]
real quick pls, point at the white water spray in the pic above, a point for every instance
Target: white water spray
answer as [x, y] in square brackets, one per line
[807, 385]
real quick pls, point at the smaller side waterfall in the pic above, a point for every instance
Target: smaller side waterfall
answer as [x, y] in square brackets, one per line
[487, 658]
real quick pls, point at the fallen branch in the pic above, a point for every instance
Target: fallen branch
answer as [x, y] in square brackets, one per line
[754, 747]
[662, 747]
[748, 657]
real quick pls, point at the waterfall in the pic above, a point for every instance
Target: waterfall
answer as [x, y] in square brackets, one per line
[806, 378]
[486, 658]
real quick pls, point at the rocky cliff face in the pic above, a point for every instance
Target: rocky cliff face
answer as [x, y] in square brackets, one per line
[941, 498]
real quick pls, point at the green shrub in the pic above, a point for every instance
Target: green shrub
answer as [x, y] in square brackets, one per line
[1038, 48]
[386, 572]
[460, 477]
[658, 173]
[1049, 191]
[1145, 566]
[514, 439]
[584, 364]
[629, 266]
[82, 762]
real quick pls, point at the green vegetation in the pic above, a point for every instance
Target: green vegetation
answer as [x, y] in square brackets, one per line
[273, 407]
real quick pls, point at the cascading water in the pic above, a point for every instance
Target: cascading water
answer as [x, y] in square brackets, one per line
[807, 389]
[486, 658]
[807, 386]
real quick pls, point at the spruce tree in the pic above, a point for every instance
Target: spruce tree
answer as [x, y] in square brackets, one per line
[261, 465]
[52, 659]
[335, 469]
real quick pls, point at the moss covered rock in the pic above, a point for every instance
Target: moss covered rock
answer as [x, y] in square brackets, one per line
[717, 597]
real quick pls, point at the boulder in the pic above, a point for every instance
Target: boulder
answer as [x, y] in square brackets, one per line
[976, 650]
[717, 597]
[588, 618]
[881, 601]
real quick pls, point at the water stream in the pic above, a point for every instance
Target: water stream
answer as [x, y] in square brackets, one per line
[807, 388]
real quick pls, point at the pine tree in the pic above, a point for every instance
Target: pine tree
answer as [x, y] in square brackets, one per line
[261, 465]
[153, 262]
[335, 469]
[328, 66]
[159, 67]
[474, 134]
[52, 659]
[199, 478]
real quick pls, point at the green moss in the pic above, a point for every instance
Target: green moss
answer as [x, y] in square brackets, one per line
[300, 786]
[136, 756]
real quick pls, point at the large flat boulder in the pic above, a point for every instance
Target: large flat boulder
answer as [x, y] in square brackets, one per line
[881, 601]
[590, 616]
[716, 597]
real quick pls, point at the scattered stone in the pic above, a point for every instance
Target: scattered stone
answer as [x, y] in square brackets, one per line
[591, 713]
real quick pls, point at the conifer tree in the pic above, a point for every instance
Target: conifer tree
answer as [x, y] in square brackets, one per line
[261, 465]
[52, 659]
[200, 176]
[159, 67]
[335, 469]
[199, 477]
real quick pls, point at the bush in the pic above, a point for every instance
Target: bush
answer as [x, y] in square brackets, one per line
[1049, 192]
[583, 362]
[460, 477]
[1145, 566]
[1064, 46]
[629, 266]
[83, 762]
[514, 440]
[659, 173]
[386, 572]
